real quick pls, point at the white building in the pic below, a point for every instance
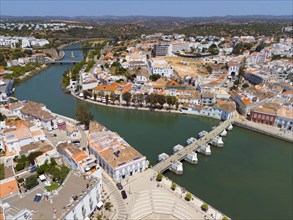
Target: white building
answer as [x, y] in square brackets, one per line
[76, 199]
[233, 70]
[284, 119]
[114, 154]
[161, 67]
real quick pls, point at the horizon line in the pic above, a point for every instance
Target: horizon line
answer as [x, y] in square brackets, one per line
[162, 16]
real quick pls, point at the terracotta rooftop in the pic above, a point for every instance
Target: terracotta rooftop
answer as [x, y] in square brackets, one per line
[228, 106]
[7, 187]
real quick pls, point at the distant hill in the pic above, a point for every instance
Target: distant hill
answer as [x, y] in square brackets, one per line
[125, 27]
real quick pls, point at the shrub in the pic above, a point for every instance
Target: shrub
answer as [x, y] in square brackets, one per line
[173, 187]
[31, 182]
[108, 205]
[19, 166]
[52, 187]
[31, 158]
[188, 197]
[159, 177]
[43, 168]
[204, 207]
[2, 171]
[20, 180]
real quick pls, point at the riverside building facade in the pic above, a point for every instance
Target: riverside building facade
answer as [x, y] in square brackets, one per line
[114, 154]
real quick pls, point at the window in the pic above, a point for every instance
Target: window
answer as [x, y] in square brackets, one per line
[91, 204]
[83, 211]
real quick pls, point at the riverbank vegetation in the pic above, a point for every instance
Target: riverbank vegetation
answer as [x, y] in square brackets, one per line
[152, 101]
[22, 73]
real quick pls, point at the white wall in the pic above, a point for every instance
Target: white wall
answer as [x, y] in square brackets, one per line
[86, 205]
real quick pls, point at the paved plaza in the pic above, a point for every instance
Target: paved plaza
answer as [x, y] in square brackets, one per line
[149, 199]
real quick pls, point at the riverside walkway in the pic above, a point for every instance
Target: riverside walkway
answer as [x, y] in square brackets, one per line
[180, 155]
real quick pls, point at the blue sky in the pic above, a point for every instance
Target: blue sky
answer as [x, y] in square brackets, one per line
[146, 7]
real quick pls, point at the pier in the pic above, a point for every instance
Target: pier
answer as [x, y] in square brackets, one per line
[182, 154]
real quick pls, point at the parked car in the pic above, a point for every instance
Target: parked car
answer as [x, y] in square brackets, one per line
[123, 193]
[119, 186]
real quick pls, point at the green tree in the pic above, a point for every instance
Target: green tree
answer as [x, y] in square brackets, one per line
[173, 186]
[213, 49]
[155, 77]
[83, 115]
[204, 207]
[161, 100]
[113, 97]
[31, 158]
[53, 162]
[138, 98]
[127, 97]
[171, 100]
[108, 205]
[2, 117]
[159, 177]
[31, 182]
[188, 197]
[107, 99]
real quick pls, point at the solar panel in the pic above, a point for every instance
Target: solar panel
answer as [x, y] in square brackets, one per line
[38, 198]
[117, 153]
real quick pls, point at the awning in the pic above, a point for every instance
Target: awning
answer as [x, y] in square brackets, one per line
[100, 204]
[42, 177]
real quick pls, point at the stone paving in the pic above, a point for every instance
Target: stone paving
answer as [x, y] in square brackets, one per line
[114, 196]
[149, 199]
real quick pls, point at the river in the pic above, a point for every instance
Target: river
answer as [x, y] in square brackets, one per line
[250, 178]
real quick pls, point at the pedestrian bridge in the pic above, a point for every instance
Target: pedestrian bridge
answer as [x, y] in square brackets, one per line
[180, 155]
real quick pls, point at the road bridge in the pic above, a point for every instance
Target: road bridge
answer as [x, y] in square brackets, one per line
[180, 155]
[65, 62]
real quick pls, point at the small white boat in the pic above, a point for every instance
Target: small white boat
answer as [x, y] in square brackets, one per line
[224, 133]
[202, 133]
[177, 167]
[217, 141]
[230, 127]
[190, 140]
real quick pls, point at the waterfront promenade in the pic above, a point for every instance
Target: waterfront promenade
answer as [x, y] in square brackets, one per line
[180, 155]
[265, 129]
